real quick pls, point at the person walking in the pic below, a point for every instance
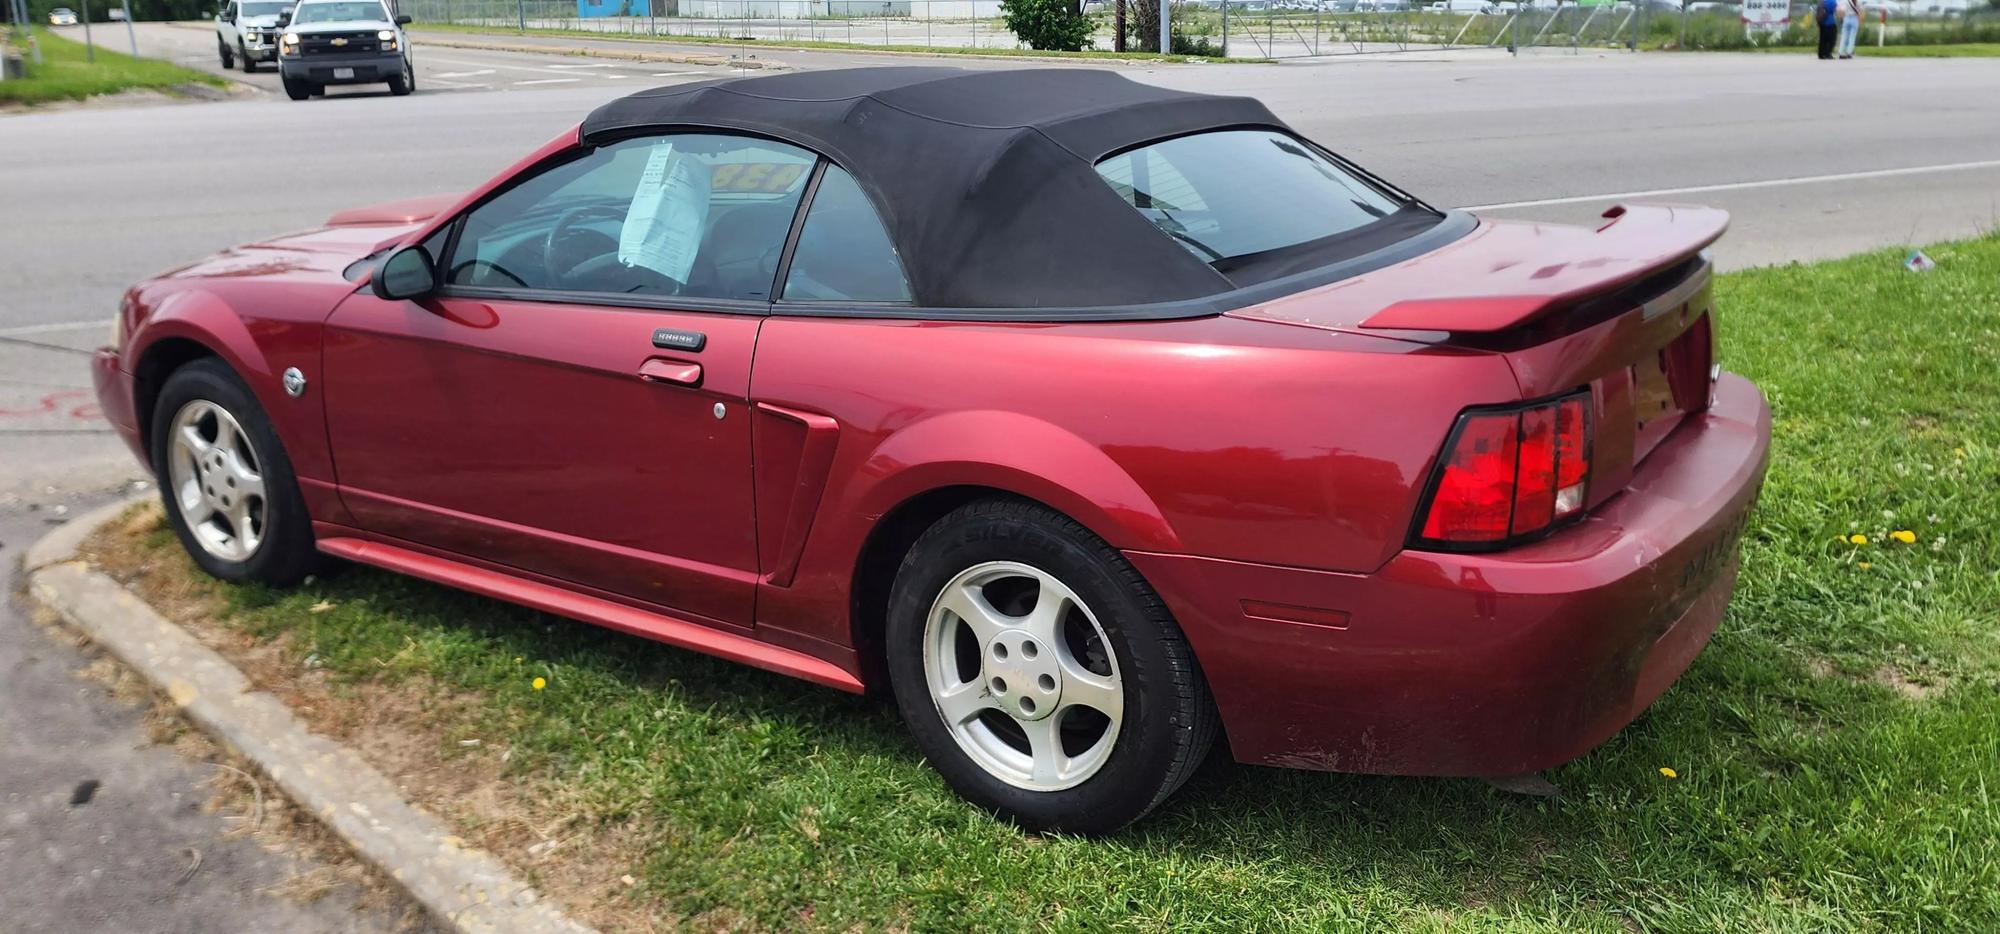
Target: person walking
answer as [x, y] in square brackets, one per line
[1850, 28]
[1824, 17]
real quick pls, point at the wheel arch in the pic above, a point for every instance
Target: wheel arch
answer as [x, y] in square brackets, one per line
[928, 469]
[186, 327]
[157, 362]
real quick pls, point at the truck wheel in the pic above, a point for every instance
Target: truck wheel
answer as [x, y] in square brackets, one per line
[249, 64]
[406, 82]
[297, 90]
[228, 58]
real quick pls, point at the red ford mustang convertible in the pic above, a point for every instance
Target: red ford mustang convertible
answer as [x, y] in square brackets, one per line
[1091, 419]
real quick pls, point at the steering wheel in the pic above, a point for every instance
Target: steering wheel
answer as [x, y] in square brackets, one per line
[552, 266]
[602, 272]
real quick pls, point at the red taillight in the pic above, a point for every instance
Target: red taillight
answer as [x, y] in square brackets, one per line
[1510, 474]
[1475, 491]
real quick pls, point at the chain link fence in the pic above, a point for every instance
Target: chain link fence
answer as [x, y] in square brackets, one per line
[1236, 28]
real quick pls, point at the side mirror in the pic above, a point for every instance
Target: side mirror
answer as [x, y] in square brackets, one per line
[408, 273]
[404, 19]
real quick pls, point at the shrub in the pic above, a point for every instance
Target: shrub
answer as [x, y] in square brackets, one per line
[1056, 25]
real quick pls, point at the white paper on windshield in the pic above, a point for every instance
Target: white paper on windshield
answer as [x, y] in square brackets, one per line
[663, 227]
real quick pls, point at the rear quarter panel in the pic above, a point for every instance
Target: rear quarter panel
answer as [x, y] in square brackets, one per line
[1217, 437]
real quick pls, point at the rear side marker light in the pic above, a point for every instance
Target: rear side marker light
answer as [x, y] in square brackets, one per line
[1508, 475]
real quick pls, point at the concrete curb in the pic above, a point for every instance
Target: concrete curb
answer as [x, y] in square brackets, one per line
[466, 889]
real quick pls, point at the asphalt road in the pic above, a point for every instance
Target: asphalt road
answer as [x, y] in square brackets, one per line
[138, 851]
[1814, 159]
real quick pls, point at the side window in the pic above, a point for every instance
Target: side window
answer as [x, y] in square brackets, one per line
[844, 253]
[697, 215]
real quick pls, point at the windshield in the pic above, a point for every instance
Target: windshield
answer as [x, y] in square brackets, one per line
[347, 11]
[1233, 197]
[265, 9]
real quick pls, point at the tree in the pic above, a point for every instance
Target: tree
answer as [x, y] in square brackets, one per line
[1050, 25]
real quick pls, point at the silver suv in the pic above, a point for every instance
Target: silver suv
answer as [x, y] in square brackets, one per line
[247, 30]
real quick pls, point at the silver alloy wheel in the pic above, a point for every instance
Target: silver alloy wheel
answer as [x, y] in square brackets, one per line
[1023, 675]
[217, 482]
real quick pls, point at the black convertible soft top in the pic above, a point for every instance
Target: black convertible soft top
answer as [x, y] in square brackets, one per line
[985, 179]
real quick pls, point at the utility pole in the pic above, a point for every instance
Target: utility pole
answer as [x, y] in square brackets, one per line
[130, 36]
[1166, 32]
[89, 47]
[1117, 28]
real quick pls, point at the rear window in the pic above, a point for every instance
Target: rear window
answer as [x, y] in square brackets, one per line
[1257, 204]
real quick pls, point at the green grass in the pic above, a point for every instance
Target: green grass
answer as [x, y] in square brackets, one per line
[1837, 745]
[734, 44]
[65, 74]
[1863, 50]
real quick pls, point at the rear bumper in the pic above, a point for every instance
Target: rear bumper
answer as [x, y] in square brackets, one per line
[114, 397]
[1497, 664]
[368, 68]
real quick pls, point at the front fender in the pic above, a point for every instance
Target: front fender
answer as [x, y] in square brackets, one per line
[259, 349]
[206, 319]
[1017, 453]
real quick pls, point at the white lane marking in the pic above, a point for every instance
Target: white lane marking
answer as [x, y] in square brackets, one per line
[549, 81]
[460, 61]
[26, 330]
[463, 74]
[1739, 186]
[594, 65]
[617, 76]
[673, 74]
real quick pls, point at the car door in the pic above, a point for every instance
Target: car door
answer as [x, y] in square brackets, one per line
[573, 401]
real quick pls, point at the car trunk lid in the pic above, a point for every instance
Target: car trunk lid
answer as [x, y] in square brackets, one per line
[1623, 310]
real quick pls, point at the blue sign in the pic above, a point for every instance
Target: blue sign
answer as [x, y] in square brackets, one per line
[613, 8]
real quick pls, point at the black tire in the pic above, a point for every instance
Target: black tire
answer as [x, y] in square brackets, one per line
[406, 82]
[287, 552]
[228, 57]
[1169, 721]
[249, 64]
[297, 90]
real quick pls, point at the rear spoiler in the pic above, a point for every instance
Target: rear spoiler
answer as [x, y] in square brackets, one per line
[1637, 240]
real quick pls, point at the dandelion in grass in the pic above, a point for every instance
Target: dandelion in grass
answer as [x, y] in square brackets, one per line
[539, 683]
[1668, 772]
[1857, 539]
[1863, 565]
[1905, 536]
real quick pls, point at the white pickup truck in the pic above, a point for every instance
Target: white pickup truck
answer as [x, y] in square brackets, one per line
[249, 30]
